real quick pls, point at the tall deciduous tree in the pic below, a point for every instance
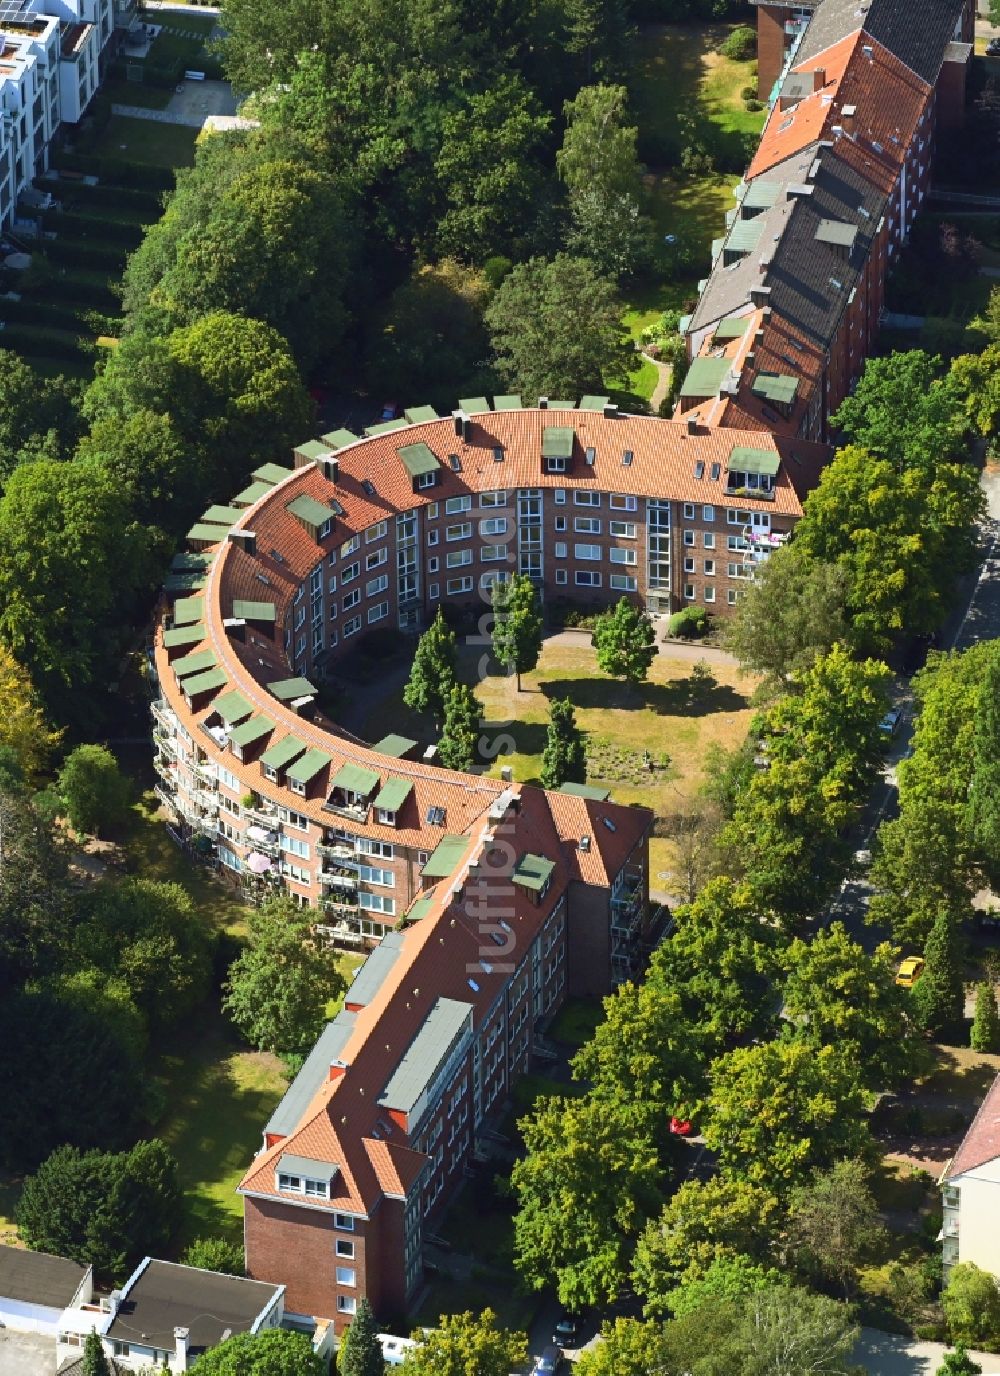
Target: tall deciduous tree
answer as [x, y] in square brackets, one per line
[564, 759]
[215, 1254]
[489, 170]
[148, 461]
[596, 1165]
[721, 960]
[432, 674]
[792, 613]
[517, 625]
[904, 410]
[703, 1222]
[360, 1351]
[834, 1223]
[23, 728]
[36, 905]
[556, 329]
[458, 746]
[977, 377]
[278, 988]
[938, 996]
[463, 1343]
[102, 1209]
[728, 1278]
[836, 994]
[984, 790]
[985, 1033]
[779, 1111]
[94, 791]
[38, 416]
[625, 642]
[627, 1347]
[971, 1303]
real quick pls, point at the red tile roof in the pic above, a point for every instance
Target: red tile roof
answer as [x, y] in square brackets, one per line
[982, 1142]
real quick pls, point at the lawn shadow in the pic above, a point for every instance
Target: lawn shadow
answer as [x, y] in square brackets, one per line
[528, 736]
[682, 697]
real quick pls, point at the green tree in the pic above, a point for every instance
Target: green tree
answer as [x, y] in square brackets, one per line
[95, 1363]
[489, 168]
[463, 1343]
[721, 960]
[38, 415]
[215, 1254]
[57, 1035]
[23, 728]
[971, 1304]
[627, 1348]
[625, 642]
[149, 463]
[599, 164]
[905, 411]
[272, 1352]
[783, 1109]
[101, 1208]
[442, 304]
[985, 1033]
[705, 1221]
[984, 789]
[72, 564]
[36, 905]
[360, 1351]
[517, 625]
[834, 1224]
[432, 674]
[458, 746]
[977, 378]
[836, 994]
[150, 935]
[958, 1363]
[598, 1165]
[728, 1278]
[938, 997]
[792, 613]
[230, 385]
[93, 789]
[564, 759]
[556, 329]
[278, 987]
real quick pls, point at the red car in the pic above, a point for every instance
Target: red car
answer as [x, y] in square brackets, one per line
[681, 1127]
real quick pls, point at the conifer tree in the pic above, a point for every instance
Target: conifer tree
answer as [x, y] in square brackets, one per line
[564, 759]
[433, 671]
[95, 1363]
[984, 790]
[939, 993]
[985, 1034]
[361, 1352]
[517, 625]
[458, 747]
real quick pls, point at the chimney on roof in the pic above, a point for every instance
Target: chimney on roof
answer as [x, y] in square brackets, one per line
[759, 295]
[543, 403]
[181, 1339]
[462, 425]
[245, 538]
[836, 130]
[610, 411]
[329, 467]
[692, 425]
[819, 78]
[114, 1302]
[847, 113]
[506, 774]
[585, 844]
[235, 627]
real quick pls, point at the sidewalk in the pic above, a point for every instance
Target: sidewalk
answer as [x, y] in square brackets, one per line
[885, 1354]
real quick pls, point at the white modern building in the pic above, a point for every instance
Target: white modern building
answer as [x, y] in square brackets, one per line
[970, 1193]
[51, 55]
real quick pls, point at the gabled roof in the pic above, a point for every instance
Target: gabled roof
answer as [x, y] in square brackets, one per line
[982, 1142]
[39, 1277]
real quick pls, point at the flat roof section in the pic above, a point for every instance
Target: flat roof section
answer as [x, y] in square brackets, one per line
[207, 682]
[194, 664]
[417, 415]
[705, 377]
[187, 610]
[314, 1073]
[309, 510]
[189, 561]
[473, 405]
[39, 1277]
[591, 791]
[370, 977]
[557, 442]
[764, 461]
[533, 872]
[212, 535]
[253, 611]
[222, 515]
[307, 1165]
[589, 403]
[507, 403]
[272, 473]
[311, 449]
[776, 387]
[165, 1296]
[253, 493]
[445, 857]
[836, 232]
[340, 438]
[733, 327]
[438, 1034]
[394, 745]
[183, 635]
[353, 779]
[184, 582]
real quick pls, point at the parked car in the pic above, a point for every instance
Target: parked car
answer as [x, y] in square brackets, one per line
[681, 1127]
[910, 971]
[993, 48]
[549, 1362]
[565, 1331]
[891, 722]
[390, 410]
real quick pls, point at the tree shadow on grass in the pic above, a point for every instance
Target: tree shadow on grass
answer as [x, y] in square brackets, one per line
[528, 736]
[682, 697]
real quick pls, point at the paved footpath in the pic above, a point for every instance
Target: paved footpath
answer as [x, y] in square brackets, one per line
[885, 1354]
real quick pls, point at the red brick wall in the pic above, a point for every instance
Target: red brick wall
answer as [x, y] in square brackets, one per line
[589, 942]
[770, 46]
[296, 1247]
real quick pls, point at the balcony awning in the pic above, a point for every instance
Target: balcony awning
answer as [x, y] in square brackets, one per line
[188, 610]
[194, 664]
[281, 754]
[557, 442]
[763, 461]
[353, 779]
[288, 689]
[232, 707]
[205, 683]
[418, 459]
[183, 635]
[249, 731]
[393, 794]
[308, 766]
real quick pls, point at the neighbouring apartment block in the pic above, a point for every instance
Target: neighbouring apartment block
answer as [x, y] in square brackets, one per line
[790, 309]
[52, 57]
[970, 1193]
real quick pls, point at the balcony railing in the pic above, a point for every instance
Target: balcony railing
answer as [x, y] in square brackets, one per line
[165, 797]
[352, 810]
[338, 881]
[269, 820]
[344, 855]
[337, 907]
[751, 493]
[165, 740]
[165, 716]
[164, 768]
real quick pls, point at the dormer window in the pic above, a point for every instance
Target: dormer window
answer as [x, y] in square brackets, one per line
[325, 529]
[426, 480]
[301, 1175]
[303, 1184]
[386, 817]
[555, 463]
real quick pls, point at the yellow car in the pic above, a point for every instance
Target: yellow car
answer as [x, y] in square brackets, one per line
[910, 971]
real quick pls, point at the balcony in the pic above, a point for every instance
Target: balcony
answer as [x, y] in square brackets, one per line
[208, 773]
[338, 881]
[164, 716]
[356, 812]
[752, 494]
[165, 741]
[165, 769]
[266, 842]
[340, 907]
[267, 817]
[166, 798]
[344, 855]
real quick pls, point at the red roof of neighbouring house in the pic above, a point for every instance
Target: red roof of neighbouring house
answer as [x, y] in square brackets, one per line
[982, 1142]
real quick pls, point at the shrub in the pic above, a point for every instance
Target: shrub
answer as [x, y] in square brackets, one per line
[749, 92]
[741, 44]
[753, 105]
[689, 624]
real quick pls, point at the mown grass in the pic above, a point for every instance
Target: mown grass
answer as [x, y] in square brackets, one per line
[148, 142]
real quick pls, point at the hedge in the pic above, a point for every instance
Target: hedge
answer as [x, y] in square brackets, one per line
[148, 204]
[65, 251]
[47, 314]
[34, 342]
[71, 225]
[117, 172]
[85, 295]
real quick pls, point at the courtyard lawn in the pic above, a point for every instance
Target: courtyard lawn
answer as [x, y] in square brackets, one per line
[148, 142]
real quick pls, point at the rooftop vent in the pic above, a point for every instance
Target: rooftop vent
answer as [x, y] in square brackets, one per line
[246, 538]
[435, 816]
[369, 487]
[609, 824]
[627, 458]
[455, 462]
[585, 844]
[497, 454]
[277, 556]
[590, 456]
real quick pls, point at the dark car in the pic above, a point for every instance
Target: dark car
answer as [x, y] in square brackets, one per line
[565, 1331]
[993, 48]
[549, 1362]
